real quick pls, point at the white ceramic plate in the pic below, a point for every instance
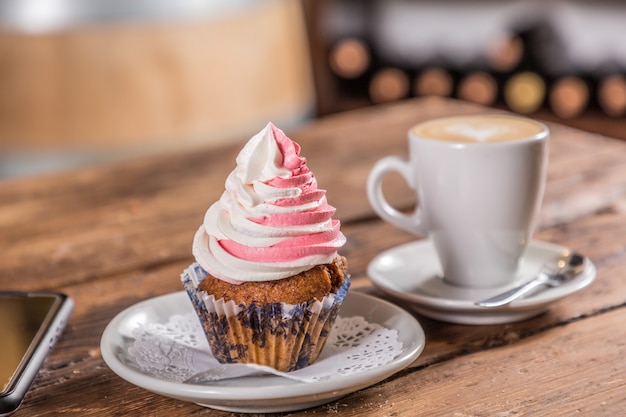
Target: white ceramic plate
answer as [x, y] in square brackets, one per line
[258, 394]
[412, 273]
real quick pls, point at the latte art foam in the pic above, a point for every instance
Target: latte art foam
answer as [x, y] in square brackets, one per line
[479, 129]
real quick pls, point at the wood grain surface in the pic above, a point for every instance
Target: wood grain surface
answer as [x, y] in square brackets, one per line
[113, 235]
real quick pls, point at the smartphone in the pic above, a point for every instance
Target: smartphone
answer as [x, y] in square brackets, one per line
[30, 323]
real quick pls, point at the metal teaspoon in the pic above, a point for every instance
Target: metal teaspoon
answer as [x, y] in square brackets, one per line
[552, 274]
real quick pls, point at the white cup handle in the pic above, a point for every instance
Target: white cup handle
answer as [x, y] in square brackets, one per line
[413, 222]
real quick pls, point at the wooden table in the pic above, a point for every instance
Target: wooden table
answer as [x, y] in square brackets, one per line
[114, 235]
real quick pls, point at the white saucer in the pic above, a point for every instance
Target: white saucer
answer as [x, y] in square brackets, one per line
[411, 272]
[258, 394]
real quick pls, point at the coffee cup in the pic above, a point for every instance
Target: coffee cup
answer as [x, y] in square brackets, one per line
[479, 181]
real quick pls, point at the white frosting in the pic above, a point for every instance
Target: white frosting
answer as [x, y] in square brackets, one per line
[254, 214]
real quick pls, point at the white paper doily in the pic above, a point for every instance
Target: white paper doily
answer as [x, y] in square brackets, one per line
[178, 351]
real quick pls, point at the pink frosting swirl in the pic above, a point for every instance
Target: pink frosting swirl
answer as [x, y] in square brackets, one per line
[272, 220]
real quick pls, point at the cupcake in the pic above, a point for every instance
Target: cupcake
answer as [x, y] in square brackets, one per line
[268, 282]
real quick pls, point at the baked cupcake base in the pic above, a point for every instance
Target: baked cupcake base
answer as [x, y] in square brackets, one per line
[280, 335]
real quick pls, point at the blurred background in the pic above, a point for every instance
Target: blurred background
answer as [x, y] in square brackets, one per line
[83, 81]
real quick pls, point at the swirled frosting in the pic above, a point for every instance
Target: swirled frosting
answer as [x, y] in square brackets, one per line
[272, 221]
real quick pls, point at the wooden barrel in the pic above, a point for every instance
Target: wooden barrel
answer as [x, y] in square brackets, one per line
[132, 83]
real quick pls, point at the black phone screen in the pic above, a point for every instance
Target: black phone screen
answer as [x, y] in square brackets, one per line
[22, 319]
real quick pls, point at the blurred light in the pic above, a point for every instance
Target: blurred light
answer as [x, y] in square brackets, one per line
[525, 92]
[37, 16]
